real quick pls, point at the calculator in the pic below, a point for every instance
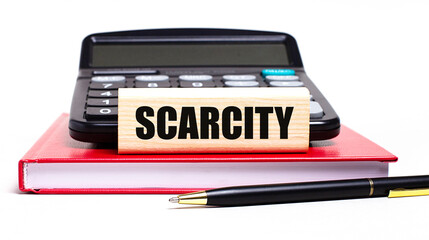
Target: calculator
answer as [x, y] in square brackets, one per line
[185, 58]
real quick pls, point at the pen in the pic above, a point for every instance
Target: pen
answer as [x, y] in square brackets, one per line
[308, 191]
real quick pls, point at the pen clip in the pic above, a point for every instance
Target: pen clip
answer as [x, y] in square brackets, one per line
[401, 192]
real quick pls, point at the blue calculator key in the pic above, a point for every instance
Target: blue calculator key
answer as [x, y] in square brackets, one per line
[281, 72]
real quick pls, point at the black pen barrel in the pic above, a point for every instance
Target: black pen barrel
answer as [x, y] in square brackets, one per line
[382, 186]
[312, 191]
[287, 193]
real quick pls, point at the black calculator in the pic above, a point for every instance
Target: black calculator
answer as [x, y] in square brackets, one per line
[185, 58]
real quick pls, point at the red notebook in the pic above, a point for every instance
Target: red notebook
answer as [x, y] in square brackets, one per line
[59, 164]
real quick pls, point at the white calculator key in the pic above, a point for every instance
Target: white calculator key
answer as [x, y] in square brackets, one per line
[241, 83]
[282, 78]
[108, 79]
[197, 84]
[195, 77]
[152, 78]
[286, 84]
[239, 77]
[316, 110]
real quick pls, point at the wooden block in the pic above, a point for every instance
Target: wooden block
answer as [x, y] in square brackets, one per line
[213, 120]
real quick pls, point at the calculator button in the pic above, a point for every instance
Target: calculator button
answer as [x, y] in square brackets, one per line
[152, 78]
[108, 79]
[239, 77]
[195, 77]
[107, 85]
[102, 113]
[282, 78]
[103, 94]
[188, 84]
[160, 84]
[241, 83]
[100, 102]
[286, 84]
[267, 72]
[316, 110]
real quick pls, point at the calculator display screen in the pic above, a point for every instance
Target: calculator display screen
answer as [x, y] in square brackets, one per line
[189, 54]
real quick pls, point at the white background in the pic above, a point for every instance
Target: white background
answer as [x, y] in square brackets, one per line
[369, 58]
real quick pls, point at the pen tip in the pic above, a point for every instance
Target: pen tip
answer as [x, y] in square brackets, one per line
[174, 200]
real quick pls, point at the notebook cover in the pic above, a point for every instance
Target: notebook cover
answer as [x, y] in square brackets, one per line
[56, 146]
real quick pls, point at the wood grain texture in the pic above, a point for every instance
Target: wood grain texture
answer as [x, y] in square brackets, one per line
[298, 129]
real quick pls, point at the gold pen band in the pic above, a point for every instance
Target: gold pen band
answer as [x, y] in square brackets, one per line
[196, 198]
[371, 187]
